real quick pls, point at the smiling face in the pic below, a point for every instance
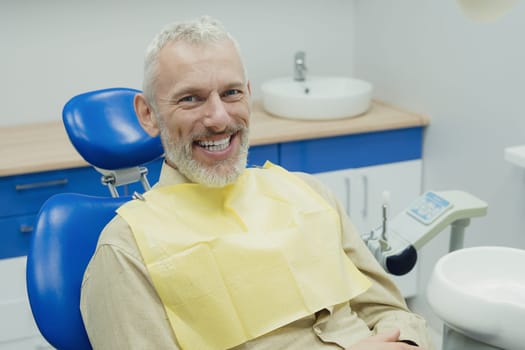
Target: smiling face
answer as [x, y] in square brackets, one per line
[202, 110]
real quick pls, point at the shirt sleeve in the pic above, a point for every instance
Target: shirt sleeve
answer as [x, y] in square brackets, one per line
[119, 306]
[382, 307]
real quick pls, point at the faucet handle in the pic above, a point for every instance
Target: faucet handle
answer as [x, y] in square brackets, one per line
[299, 66]
[299, 56]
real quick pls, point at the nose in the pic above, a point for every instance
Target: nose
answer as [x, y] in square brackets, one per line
[216, 116]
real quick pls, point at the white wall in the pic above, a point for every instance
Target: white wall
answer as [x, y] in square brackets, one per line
[54, 49]
[469, 78]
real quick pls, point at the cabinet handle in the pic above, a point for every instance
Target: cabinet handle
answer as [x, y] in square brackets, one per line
[26, 228]
[365, 196]
[348, 190]
[42, 184]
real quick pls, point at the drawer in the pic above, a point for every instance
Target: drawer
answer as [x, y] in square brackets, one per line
[15, 234]
[25, 194]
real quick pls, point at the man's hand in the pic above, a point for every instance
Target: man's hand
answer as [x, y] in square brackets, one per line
[384, 341]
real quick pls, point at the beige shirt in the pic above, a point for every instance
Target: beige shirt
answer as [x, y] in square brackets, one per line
[121, 309]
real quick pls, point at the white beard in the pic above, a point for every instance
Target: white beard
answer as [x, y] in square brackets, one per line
[218, 175]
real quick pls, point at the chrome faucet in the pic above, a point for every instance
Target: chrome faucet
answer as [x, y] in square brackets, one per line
[300, 66]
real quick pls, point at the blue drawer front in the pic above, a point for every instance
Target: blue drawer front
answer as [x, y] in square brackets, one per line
[15, 234]
[25, 194]
[258, 155]
[352, 151]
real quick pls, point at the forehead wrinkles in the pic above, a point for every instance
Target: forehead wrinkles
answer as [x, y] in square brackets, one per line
[217, 61]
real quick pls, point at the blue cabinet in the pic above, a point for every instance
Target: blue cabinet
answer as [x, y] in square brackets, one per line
[352, 151]
[21, 196]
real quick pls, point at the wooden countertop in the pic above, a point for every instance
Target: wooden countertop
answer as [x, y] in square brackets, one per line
[45, 146]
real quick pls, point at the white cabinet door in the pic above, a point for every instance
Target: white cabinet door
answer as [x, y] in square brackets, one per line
[402, 180]
[17, 326]
[360, 191]
[340, 182]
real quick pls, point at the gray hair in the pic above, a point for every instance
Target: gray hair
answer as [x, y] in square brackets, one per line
[203, 30]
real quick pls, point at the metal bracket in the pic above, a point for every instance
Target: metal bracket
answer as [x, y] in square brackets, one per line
[120, 177]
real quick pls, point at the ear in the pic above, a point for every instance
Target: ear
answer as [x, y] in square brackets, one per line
[249, 87]
[145, 115]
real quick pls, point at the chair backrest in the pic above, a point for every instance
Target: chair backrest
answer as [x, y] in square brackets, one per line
[65, 237]
[103, 127]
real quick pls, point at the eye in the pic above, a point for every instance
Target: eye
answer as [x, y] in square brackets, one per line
[190, 101]
[232, 94]
[187, 99]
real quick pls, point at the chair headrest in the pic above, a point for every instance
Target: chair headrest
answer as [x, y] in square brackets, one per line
[103, 127]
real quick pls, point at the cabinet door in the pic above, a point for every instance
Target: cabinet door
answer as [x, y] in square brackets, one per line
[360, 190]
[17, 327]
[340, 183]
[403, 182]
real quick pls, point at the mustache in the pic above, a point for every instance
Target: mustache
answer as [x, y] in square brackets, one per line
[209, 132]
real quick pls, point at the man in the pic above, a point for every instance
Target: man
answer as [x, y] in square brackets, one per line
[218, 256]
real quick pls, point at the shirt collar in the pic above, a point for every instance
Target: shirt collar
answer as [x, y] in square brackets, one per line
[170, 176]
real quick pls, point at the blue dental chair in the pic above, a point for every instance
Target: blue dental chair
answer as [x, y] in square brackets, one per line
[103, 127]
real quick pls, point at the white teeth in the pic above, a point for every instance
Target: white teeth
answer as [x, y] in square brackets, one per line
[216, 145]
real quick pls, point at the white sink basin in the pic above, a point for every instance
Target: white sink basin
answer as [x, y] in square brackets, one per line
[316, 98]
[480, 292]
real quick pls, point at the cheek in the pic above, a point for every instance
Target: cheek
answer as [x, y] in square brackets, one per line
[241, 112]
[179, 127]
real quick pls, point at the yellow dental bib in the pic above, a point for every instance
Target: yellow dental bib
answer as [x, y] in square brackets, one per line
[233, 263]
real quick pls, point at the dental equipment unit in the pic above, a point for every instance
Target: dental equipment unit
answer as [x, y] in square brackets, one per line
[395, 243]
